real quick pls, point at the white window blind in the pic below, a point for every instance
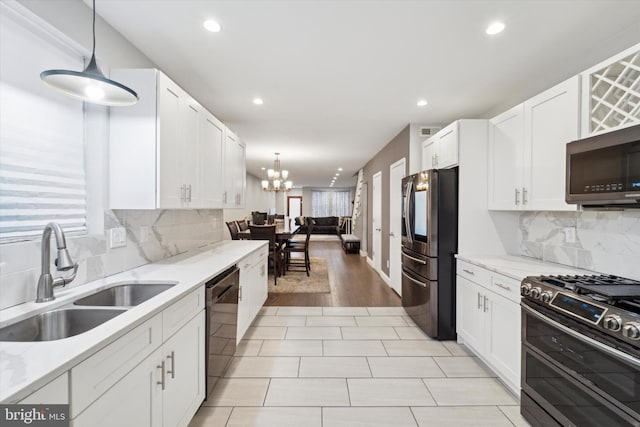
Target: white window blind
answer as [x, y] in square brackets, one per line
[42, 175]
[330, 203]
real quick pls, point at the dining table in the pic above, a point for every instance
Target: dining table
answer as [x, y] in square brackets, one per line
[284, 231]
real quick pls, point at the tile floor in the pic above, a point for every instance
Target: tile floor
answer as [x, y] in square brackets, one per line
[353, 366]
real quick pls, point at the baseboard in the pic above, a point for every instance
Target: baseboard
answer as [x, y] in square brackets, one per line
[383, 276]
[363, 253]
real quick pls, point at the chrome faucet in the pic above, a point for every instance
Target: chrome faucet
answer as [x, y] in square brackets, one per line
[63, 262]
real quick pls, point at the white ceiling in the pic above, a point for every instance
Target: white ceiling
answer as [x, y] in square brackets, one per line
[339, 79]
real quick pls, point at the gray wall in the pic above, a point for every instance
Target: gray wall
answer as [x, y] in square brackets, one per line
[395, 150]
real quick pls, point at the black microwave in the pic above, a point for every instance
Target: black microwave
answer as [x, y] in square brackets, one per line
[604, 170]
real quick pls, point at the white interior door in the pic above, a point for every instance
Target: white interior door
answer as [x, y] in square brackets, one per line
[396, 173]
[377, 221]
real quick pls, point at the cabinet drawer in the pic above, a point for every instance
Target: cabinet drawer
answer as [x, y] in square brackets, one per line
[474, 273]
[506, 286]
[179, 313]
[95, 375]
[256, 257]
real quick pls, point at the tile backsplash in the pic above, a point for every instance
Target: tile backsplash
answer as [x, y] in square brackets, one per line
[605, 241]
[151, 236]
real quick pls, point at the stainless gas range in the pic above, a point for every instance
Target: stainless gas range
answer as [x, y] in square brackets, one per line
[580, 350]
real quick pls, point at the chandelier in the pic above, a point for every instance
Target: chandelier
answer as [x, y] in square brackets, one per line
[277, 178]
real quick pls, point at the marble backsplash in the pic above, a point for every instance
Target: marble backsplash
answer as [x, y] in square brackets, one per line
[606, 241]
[151, 236]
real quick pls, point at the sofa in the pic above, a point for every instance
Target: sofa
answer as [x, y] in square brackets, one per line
[323, 225]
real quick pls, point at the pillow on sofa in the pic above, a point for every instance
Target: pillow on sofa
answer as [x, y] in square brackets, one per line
[300, 220]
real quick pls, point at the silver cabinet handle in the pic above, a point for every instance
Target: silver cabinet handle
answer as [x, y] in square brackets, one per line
[469, 272]
[240, 293]
[500, 285]
[517, 197]
[172, 371]
[183, 193]
[391, 234]
[486, 306]
[433, 160]
[189, 193]
[224, 197]
[437, 160]
[420, 261]
[524, 196]
[479, 301]
[161, 367]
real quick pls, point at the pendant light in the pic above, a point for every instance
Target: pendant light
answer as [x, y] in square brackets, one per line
[90, 85]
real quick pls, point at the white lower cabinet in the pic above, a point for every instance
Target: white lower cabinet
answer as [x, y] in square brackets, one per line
[488, 320]
[253, 288]
[160, 387]
[55, 392]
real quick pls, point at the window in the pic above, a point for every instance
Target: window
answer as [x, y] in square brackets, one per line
[42, 173]
[330, 203]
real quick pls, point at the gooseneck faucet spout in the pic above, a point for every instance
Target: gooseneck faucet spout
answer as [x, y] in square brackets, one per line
[63, 262]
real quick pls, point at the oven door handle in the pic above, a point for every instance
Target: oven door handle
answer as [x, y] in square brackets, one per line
[604, 348]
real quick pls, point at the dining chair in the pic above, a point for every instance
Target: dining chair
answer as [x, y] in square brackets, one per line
[233, 230]
[268, 232]
[243, 225]
[299, 247]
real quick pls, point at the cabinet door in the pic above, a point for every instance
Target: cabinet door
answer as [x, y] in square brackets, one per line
[183, 355]
[135, 400]
[503, 338]
[211, 161]
[244, 300]
[470, 315]
[192, 114]
[506, 139]
[447, 153]
[429, 152]
[170, 150]
[230, 164]
[551, 121]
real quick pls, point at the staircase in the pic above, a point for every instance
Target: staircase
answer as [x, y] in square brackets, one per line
[357, 202]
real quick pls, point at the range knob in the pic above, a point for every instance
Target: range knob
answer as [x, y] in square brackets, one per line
[546, 296]
[535, 292]
[631, 330]
[613, 322]
[525, 289]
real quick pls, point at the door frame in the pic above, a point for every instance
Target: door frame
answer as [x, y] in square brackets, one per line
[294, 197]
[376, 255]
[395, 280]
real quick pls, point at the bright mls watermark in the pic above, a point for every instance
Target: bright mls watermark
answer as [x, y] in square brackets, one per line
[34, 415]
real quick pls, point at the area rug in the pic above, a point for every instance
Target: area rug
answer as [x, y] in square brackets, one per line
[317, 237]
[298, 282]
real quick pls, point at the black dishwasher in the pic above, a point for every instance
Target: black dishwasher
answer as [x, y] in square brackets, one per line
[222, 319]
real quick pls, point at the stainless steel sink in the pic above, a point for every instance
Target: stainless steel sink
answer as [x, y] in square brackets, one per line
[125, 295]
[57, 324]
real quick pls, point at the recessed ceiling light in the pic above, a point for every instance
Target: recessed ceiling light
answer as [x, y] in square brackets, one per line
[258, 101]
[340, 169]
[263, 168]
[422, 103]
[211, 25]
[337, 174]
[495, 28]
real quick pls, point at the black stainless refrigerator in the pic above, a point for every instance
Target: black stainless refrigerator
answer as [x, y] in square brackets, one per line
[429, 243]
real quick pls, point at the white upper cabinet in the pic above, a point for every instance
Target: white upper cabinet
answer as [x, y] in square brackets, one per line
[211, 161]
[167, 151]
[234, 159]
[506, 140]
[552, 119]
[527, 150]
[441, 150]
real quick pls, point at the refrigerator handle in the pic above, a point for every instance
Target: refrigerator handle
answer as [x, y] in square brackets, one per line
[408, 212]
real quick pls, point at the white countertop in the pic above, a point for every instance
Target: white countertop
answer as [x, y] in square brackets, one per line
[27, 366]
[519, 267]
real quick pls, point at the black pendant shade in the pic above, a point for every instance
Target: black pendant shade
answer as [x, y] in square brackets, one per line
[90, 85]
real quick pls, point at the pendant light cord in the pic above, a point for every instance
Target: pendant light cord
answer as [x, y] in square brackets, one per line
[93, 51]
